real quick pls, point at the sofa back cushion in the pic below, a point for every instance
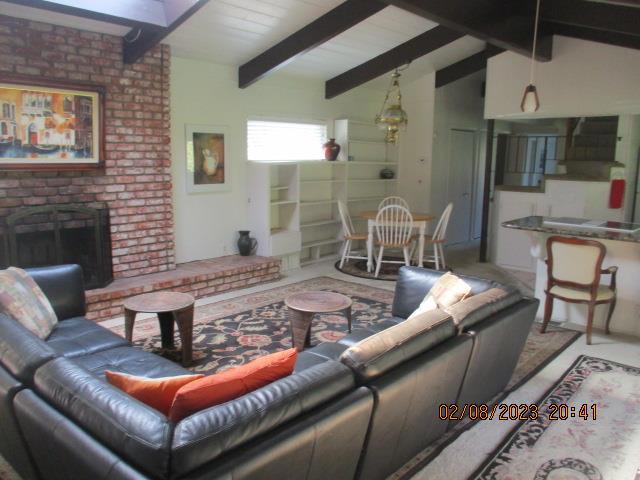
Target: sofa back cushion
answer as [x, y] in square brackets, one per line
[414, 284]
[208, 434]
[138, 433]
[385, 350]
[64, 287]
[477, 308]
[22, 298]
[21, 352]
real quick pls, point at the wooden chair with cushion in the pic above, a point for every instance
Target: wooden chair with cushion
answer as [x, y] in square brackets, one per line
[437, 240]
[350, 235]
[393, 201]
[393, 230]
[574, 267]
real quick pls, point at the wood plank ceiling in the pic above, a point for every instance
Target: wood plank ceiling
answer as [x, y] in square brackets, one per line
[344, 42]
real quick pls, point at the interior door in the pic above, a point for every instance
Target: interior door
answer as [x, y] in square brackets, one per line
[462, 160]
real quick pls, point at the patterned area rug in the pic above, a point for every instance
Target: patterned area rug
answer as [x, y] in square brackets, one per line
[588, 428]
[234, 332]
[358, 268]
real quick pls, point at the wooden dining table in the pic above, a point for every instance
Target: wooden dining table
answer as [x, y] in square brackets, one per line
[419, 222]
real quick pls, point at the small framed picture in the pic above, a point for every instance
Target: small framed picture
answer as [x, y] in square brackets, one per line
[50, 124]
[207, 159]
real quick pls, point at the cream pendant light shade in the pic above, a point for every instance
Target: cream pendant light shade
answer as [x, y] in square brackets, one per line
[530, 102]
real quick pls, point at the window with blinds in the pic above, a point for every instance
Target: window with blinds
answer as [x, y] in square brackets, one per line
[278, 141]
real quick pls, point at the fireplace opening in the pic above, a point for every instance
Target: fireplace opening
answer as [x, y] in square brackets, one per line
[60, 234]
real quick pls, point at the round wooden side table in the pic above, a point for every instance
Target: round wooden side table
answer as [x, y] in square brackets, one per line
[171, 307]
[303, 306]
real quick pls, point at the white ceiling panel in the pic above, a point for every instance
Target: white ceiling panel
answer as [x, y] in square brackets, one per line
[232, 32]
[212, 33]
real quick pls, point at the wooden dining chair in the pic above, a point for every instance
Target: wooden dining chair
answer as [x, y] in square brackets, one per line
[393, 200]
[574, 267]
[393, 231]
[349, 235]
[436, 240]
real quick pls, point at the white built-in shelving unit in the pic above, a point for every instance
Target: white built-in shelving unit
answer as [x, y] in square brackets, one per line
[366, 153]
[293, 206]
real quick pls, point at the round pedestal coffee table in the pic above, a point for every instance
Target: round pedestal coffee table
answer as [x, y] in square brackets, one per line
[171, 307]
[303, 306]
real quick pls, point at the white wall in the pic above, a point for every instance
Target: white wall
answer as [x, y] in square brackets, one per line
[458, 105]
[207, 94]
[424, 145]
[416, 143]
[583, 79]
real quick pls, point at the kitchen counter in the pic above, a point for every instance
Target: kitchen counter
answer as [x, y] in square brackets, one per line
[623, 251]
[536, 223]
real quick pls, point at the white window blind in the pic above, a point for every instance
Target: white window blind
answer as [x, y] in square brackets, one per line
[277, 141]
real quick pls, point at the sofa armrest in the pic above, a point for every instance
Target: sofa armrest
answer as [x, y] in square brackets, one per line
[412, 286]
[21, 352]
[64, 287]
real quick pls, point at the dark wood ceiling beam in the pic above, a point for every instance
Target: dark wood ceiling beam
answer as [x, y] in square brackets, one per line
[465, 67]
[487, 20]
[119, 12]
[402, 54]
[601, 36]
[593, 15]
[324, 28]
[142, 39]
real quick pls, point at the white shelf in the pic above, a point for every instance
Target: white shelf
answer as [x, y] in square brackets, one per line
[322, 258]
[367, 180]
[283, 202]
[316, 162]
[319, 223]
[322, 181]
[318, 243]
[279, 188]
[370, 142]
[318, 202]
[356, 162]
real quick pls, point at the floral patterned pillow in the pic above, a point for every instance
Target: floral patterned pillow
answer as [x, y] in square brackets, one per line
[22, 298]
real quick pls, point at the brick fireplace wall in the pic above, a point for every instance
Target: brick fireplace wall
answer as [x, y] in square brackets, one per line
[136, 180]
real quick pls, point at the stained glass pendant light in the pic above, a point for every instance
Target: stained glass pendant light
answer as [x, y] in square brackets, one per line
[392, 116]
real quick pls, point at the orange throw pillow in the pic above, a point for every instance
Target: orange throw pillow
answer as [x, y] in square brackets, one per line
[233, 383]
[158, 393]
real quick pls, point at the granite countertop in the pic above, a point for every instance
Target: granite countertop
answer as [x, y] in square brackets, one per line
[536, 224]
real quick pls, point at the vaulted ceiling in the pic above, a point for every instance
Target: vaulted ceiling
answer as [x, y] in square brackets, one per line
[345, 43]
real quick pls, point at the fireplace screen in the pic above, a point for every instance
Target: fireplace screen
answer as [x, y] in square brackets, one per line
[59, 234]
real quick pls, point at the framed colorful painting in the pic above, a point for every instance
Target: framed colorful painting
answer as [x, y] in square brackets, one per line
[50, 125]
[207, 159]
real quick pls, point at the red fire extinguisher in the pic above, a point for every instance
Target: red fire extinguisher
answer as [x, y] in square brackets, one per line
[616, 193]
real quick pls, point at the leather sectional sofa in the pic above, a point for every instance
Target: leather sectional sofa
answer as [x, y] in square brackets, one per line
[359, 408]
